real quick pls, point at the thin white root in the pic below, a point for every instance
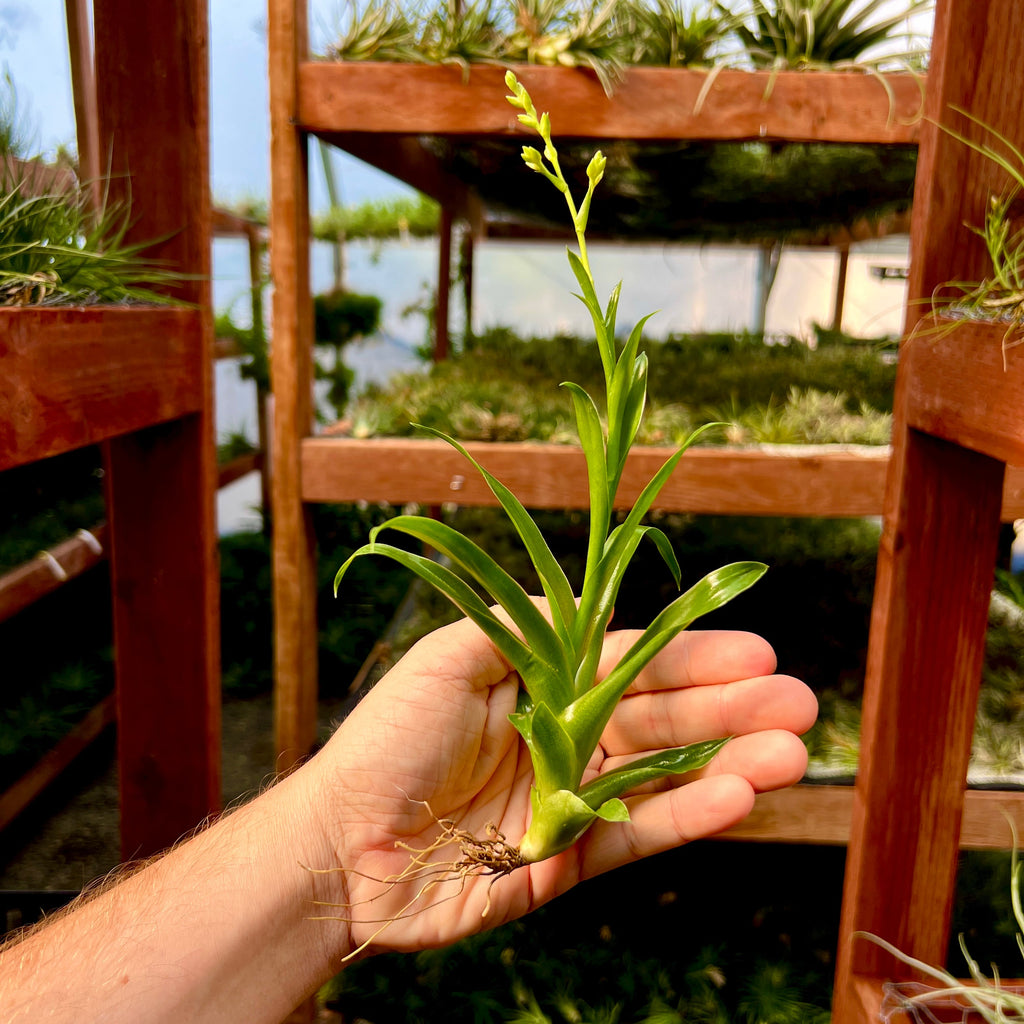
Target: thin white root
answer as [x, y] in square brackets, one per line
[491, 856]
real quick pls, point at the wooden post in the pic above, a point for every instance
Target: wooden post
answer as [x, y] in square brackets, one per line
[839, 296]
[83, 87]
[937, 553]
[151, 79]
[295, 653]
[444, 284]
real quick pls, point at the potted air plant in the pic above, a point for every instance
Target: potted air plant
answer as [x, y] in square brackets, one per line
[562, 708]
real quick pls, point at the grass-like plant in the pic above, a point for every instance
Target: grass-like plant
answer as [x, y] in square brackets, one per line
[675, 34]
[1000, 296]
[563, 708]
[56, 249]
[806, 33]
[984, 998]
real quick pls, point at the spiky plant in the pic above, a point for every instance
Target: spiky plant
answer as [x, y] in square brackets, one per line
[800, 33]
[380, 30]
[56, 248]
[673, 33]
[563, 706]
[462, 33]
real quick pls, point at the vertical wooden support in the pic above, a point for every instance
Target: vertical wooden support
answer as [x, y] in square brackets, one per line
[83, 87]
[839, 295]
[151, 79]
[937, 553]
[295, 652]
[466, 257]
[444, 284]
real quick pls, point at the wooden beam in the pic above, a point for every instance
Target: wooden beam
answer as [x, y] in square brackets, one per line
[963, 387]
[650, 104]
[65, 561]
[821, 815]
[18, 796]
[295, 647]
[151, 81]
[74, 377]
[939, 542]
[83, 89]
[794, 480]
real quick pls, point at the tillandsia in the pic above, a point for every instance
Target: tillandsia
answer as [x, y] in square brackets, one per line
[563, 707]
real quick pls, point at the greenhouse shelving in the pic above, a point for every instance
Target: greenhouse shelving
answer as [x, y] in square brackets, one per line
[139, 380]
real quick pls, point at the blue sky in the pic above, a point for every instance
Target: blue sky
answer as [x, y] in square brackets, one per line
[33, 49]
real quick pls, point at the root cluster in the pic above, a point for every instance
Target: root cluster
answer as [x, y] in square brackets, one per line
[491, 855]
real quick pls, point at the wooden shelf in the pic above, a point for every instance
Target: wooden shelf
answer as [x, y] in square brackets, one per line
[822, 815]
[74, 377]
[831, 481]
[981, 409]
[650, 104]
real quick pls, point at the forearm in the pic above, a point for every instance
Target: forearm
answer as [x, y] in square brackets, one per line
[218, 930]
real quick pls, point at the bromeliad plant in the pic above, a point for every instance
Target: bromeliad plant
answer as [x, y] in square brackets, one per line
[563, 708]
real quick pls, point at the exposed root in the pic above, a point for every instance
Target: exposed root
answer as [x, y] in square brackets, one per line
[491, 856]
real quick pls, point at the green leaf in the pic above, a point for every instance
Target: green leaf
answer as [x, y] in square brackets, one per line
[605, 344]
[539, 678]
[557, 821]
[613, 810]
[665, 549]
[601, 586]
[586, 718]
[676, 761]
[588, 425]
[502, 588]
[552, 577]
[552, 752]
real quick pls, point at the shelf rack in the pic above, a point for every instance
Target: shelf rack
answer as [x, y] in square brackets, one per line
[139, 381]
[938, 552]
[957, 423]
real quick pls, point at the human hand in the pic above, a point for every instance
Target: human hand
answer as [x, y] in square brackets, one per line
[432, 742]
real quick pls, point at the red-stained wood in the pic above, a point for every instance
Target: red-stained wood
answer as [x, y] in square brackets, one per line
[938, 545]
[831, 481]
[18, 796]
[822, 815]
[73, 377]
[83, 91]
[151, 82]
[961, 386]
[34, 177]
[650, 104]
[295, 647]
[821, 481]
[65, 561]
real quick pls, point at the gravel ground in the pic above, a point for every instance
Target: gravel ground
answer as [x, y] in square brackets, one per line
[69, 837]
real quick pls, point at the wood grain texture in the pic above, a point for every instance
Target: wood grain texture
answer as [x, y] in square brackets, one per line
[73, 377]
[938, 545]
[959, 386]
[33, 580]
[799, 482]
[295, 635]
[824, 480]
[650, 104]
[152, 96]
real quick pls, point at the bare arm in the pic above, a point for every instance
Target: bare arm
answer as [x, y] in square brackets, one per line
[232, 925]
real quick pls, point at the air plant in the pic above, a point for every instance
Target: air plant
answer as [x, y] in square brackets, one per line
[796, 33]
[554, 32]
[1000, 296]
[56, 248]
[983, 998]
[673, 34]
[379, 31]
[563, 708]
